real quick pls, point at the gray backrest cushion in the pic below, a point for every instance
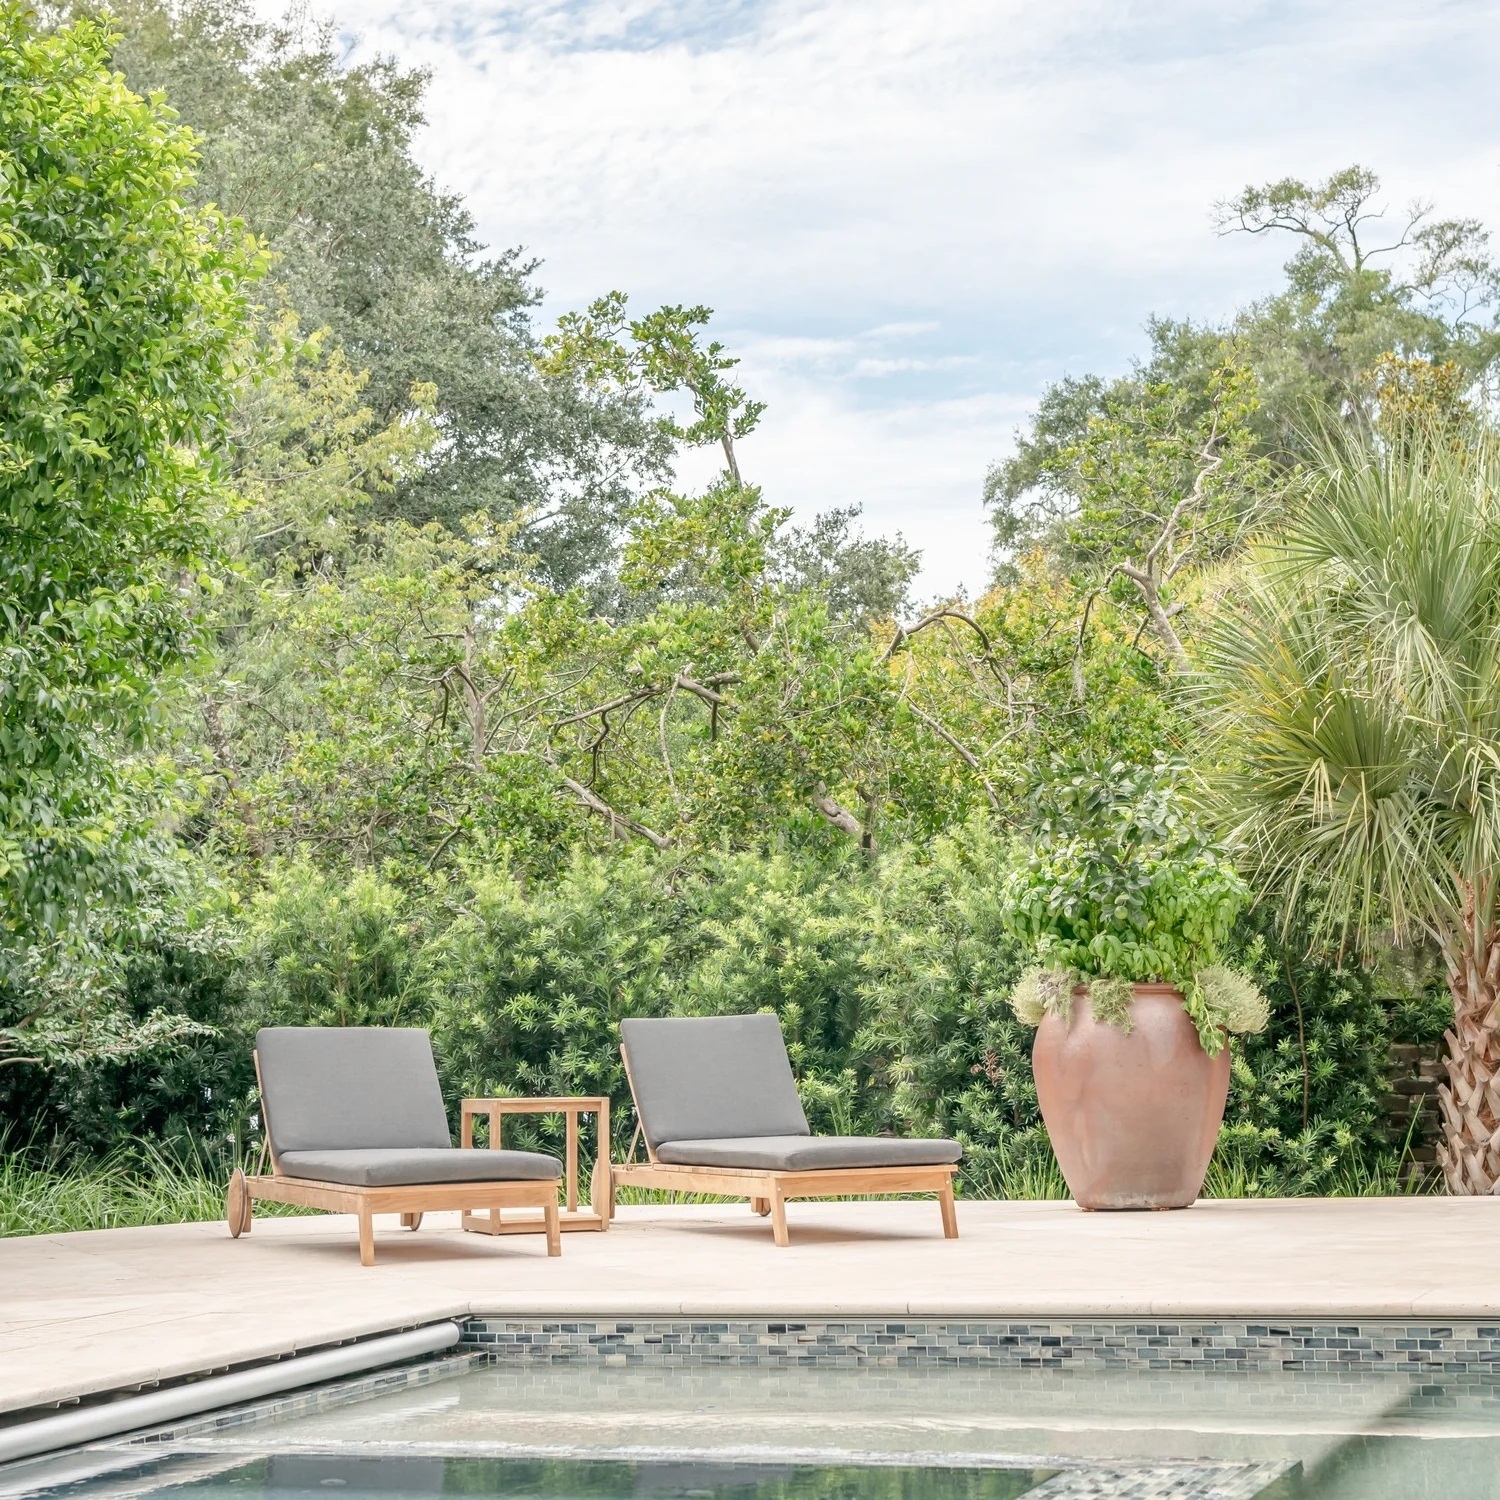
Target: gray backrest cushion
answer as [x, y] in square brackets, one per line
[708, 1078]
[350, 1088]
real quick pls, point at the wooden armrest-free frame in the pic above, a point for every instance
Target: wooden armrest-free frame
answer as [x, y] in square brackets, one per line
[410, 1200]
[768, 1191]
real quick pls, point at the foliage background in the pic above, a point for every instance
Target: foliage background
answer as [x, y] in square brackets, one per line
[493, 732]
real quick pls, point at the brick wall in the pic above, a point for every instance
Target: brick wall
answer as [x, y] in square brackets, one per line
[1415, 1073]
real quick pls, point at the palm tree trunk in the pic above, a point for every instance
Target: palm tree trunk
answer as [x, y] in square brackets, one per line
[1470, 1100]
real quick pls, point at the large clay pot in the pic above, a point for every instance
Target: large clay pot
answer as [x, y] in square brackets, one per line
[1133, 1116]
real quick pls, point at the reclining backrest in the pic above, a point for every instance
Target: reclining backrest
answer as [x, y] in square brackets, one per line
[349, 1088]
[711, 1078]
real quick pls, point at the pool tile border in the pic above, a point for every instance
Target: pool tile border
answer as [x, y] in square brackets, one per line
[1316, 1347]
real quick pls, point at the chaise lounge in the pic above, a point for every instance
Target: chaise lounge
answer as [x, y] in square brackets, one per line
[717, 1106]
[354, 1123]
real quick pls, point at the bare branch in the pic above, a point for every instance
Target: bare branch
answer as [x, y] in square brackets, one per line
[836, 813]
[705, 692]
[600, 709]
[727, 443]
[964, 753]
[597, 804]
[1148, 578]
[905, 632]
[666, 754]
[447, 839]
[1080, 686]
[1161, 621]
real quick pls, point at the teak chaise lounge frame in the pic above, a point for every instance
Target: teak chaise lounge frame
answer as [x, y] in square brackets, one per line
[409, 1199]
[722, 1086]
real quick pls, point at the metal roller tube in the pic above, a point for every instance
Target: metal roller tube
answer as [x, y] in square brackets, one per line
[87, 1424]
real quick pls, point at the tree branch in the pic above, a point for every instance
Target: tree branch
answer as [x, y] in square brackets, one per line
[1080, 685]
[599, 709]
[1148, 578]
[616, 819]
[837, 814]
[964, 753]
[906, 632]
[704, 691]
[1161, 621]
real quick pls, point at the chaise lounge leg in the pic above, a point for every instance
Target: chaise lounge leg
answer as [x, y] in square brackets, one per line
[238, 1207]
[778, 1217]
[602, 1191]
[554, 1229]
[950, 1212]
[366, 1236]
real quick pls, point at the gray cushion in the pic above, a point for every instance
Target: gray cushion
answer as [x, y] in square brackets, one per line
[698, 1078]
[396, 1168]
[799, 1153]
[342, 1088]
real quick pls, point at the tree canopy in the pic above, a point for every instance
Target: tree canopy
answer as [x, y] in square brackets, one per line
[119, 317]
[363, 660]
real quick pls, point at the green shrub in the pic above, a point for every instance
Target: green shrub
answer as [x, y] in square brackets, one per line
[320, 950]
[1305, 1096]
[1115, 886]
[890, 979]
[942, 1050]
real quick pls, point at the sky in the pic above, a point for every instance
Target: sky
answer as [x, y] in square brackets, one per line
[910, 217]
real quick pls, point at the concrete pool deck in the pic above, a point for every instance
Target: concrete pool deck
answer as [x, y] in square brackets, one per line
[116, 1309]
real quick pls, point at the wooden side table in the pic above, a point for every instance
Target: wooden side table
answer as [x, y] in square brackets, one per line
[572, 1216]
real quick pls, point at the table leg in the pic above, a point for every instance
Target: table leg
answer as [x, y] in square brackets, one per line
[605, 1210]
[572, 1167]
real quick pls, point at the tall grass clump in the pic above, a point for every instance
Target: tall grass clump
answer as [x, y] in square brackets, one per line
[132, 1186]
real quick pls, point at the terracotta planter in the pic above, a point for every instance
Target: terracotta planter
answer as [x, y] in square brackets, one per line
[1133, 1116]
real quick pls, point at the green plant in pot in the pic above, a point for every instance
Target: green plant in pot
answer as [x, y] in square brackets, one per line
[1126, 907]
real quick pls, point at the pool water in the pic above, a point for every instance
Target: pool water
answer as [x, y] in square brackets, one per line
[558, 1432]
[295, 1476]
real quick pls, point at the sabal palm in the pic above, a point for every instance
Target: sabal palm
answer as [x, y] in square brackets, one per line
[1354, 687]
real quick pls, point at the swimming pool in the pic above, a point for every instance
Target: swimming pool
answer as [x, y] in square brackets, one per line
[558, 1432]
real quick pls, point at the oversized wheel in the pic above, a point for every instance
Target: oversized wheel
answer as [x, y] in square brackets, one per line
[237, 1205]
[602, 1191]
[411, 1221]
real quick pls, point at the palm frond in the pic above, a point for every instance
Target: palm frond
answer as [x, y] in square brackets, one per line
[1353, 689]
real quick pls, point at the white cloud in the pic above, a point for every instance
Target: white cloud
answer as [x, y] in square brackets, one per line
[910, 217]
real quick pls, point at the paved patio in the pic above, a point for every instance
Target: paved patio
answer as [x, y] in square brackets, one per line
[109, 1310]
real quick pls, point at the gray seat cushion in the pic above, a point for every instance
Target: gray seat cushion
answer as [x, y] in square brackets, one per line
[800, 1153]
[699, 1078]
[401, 1168]
[350, 1088]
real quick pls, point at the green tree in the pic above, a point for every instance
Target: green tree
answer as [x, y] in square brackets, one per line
[419, 695]
[1425, 293]
[1165, 482]
[1426, 289]
[316, 156]
[119, 312]
[1353, 694]
[863, 578]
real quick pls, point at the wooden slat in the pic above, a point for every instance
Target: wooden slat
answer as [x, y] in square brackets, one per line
[490, 1223]
[506, 1104]
[430, 1197]
[747, 1182]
